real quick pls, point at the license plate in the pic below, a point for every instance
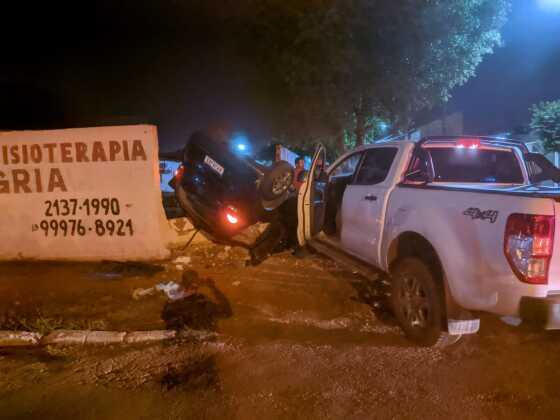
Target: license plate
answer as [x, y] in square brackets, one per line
[219, 169]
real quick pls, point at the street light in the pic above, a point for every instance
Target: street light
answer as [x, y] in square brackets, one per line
[549, 5]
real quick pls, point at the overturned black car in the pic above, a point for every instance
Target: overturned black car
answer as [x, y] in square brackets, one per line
[223, 192]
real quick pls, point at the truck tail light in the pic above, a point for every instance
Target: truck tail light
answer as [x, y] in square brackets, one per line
[528, 244]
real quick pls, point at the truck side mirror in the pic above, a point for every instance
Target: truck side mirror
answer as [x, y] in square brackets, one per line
[547, 169]
[417, 177]
[419, 168]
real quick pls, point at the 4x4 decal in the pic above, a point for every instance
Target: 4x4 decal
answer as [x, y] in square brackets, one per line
[476, 213]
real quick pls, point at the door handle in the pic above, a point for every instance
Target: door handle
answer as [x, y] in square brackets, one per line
[370, 197]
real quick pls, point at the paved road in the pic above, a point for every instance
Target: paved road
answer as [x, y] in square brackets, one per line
[288, 339]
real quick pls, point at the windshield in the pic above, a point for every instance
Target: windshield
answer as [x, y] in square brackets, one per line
[475, 165]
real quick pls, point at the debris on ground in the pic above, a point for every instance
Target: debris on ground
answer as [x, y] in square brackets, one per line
[140, 293]
[174, 291]
[220, 256]
[203, 304]
[249, 235]
[183, 260]
[511, 320]
[179, 263]
[224, 254]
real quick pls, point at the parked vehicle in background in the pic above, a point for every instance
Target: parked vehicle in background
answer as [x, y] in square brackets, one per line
[167, 172]
[460, 224]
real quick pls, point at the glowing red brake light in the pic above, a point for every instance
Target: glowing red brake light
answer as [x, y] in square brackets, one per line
[468, 144]
[232, 219]
[231, 215]
[179, 172]
[528, 245]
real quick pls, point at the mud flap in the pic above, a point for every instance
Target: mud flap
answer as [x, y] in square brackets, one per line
[459, 321]
[463, 326]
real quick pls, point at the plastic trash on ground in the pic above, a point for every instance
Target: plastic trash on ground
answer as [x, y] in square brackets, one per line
[173, 290]
[184, 260]
[140, 293]
[511, 320]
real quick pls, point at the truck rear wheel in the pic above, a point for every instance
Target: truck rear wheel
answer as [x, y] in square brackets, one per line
[417, 302]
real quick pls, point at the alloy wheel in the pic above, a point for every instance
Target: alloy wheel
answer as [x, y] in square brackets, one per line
[414, 302]
[281, 183]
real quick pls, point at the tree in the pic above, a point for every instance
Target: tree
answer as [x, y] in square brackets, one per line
[545, 122]
[340, 63]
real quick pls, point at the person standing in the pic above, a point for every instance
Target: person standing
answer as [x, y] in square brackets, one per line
[281, 232]
[300, 167]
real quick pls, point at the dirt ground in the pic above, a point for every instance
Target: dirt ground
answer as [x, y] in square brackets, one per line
[291, 338]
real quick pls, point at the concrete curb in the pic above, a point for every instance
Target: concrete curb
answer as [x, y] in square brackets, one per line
[19, 339]
[105, 337]
[82, 337]
[147, 336]
[65, 337]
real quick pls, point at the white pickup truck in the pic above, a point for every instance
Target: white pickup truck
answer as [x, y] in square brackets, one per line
[460, 224]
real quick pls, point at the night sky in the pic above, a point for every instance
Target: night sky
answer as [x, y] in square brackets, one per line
[525, 71]
[69, 64]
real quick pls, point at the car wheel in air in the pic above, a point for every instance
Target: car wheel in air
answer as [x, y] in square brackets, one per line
[417, 302]
[277, 180]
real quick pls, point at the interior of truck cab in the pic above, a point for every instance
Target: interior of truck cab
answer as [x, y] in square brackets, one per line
[347, 204]
[340, 177]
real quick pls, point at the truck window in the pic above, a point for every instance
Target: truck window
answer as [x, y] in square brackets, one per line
[479, 166]
[541, 169]
[347, 167]
[376, 166]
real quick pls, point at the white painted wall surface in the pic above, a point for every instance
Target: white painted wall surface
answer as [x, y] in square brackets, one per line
[81, 194]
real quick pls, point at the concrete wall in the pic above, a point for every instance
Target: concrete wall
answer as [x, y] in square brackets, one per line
[81, 194]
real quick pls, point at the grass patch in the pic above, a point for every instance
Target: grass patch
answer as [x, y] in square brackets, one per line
[43, 325]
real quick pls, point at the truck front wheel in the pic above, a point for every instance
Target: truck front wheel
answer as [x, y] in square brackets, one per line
[417, 301]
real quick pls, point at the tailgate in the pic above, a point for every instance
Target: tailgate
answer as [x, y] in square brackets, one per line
[554, 273]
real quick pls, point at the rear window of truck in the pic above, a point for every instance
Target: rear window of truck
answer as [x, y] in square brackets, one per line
[477, 166]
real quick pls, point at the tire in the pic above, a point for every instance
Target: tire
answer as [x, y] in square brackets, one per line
[277, 181]
[417, 301]
[270, 205]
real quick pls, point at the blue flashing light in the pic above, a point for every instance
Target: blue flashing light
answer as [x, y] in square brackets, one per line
[383, 126]
[240, 144]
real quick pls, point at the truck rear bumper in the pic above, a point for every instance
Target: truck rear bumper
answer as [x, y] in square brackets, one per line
[541, 311]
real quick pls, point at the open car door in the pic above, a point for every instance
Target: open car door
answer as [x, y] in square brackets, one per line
[312, 198]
